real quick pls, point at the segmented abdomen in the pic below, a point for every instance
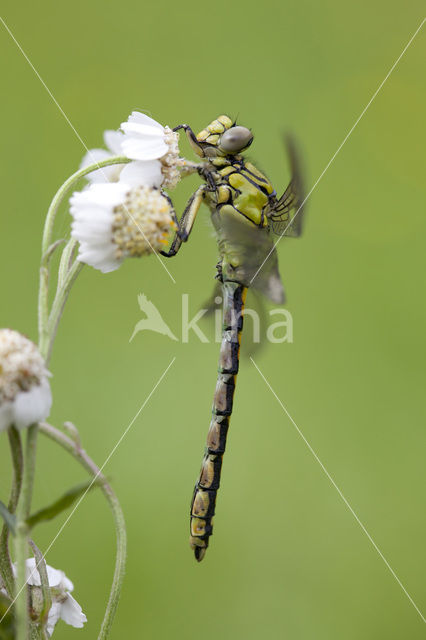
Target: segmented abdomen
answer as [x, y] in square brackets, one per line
[204, 498]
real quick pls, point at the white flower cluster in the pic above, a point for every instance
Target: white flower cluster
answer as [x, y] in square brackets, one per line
[25, 395]
[64, 606]
[123, 212]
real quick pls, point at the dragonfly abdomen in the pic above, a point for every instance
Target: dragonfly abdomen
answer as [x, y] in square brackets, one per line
[205, 492]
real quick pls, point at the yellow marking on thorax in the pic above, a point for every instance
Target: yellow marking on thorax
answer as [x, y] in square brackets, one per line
[251, 200]
[227, 170]
[262, 179]
[219, 161]
[223, 194]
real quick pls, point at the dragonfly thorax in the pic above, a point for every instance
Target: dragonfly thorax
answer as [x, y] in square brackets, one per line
[239, 186]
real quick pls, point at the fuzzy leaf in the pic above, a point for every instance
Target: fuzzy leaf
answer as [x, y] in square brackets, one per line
[8, 517]
[64, 502]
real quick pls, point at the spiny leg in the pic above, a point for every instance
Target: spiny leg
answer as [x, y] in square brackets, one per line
[186, 222]
[192, 138]
[202, 170]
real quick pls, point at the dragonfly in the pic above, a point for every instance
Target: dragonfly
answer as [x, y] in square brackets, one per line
[246, 214]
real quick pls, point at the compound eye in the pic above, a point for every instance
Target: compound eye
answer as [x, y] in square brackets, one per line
[236, 139]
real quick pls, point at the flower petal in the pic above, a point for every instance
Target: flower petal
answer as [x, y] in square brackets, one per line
[33, 405]
[141, 130]
[142, 118]
[6, 415]
[99, 175]
[32, 575]
[67, 584]
[141, 172]
[99, 260]
[93, 156]
[55, 576]
[108, 195]
[72, 613]
[53, 617]
[143, 148]
[113, 140]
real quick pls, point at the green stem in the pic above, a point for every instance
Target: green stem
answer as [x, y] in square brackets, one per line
[36, 632]
[62, 191]
[47, 247]
[58, 305]
[44, 582]
[29, 469]
[21, 595]
[120, 526]
[21, 538]
[17, 464]
[66, 261]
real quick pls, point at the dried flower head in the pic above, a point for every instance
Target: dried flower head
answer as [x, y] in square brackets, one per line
[25, 395]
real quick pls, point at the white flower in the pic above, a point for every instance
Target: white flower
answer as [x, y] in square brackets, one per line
[64, 607]
[116, 220]
[146, 140]
[25, 395]
[113, 140]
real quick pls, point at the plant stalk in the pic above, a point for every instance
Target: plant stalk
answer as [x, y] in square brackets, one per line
[17, 464]
[47, 248]
[21, 538]
[120, 527]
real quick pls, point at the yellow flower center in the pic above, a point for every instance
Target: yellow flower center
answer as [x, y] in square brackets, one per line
[142, 224]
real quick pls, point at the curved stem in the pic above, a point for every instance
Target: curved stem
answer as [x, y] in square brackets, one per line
[62, 191]
[47, 247]
[120, 526]
[17, 464]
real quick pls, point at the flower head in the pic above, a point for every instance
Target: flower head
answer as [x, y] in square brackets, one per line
[25, 395]
[113, 140]
[64, 607]
[146, 140]
[114, 221]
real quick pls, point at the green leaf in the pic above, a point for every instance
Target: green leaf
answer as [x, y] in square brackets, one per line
[64, 502]
[8, 517]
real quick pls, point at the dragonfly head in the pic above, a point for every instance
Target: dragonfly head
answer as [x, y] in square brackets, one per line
[222, 137]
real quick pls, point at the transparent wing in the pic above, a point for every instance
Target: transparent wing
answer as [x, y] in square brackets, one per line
[286, 214]
[257, 256]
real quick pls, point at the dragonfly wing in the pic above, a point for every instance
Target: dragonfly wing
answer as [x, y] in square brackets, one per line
[257, 256]
[268, 280]
[286, 214]
[215, 300]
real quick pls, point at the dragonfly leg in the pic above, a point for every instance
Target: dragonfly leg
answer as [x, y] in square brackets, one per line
[192, 138]
[186, 222]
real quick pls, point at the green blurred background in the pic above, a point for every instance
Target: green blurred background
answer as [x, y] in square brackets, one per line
[287, 559]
